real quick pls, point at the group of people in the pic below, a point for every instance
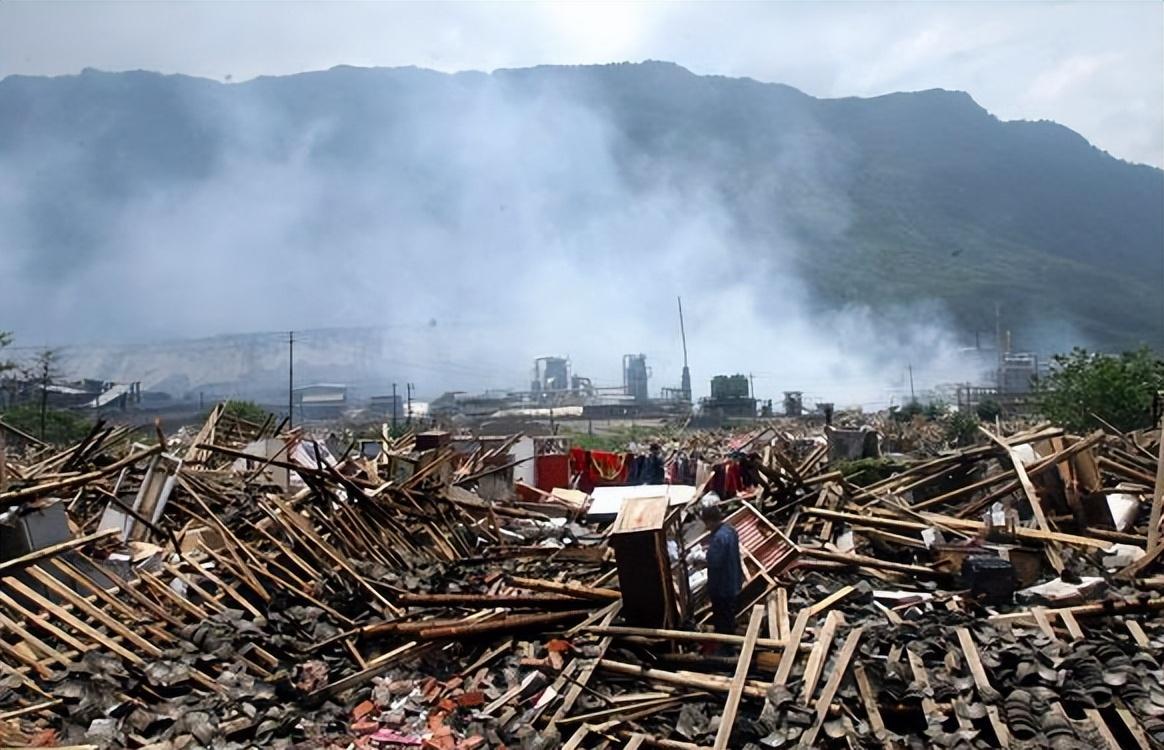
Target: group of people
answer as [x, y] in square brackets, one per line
[648, 468]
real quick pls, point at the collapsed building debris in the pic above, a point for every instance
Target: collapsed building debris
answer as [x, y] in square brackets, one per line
[246, 586]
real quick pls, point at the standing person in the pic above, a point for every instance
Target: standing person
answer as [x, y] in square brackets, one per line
[725, 576]
[653, 470]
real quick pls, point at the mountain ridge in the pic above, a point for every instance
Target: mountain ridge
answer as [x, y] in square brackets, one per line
[886, 199]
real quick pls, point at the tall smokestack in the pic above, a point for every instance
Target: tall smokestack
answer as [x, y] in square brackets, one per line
[685, 382]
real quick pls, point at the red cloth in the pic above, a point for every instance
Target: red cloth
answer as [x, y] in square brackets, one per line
[580, 469]
[726, 479]
[608, 468]
[552, 471]
[598, 468]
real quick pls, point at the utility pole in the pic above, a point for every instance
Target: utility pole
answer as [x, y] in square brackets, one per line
[408, 414]
[290, 378]
[912, 398]
[751, 385]
[998, 345]
[394, 409]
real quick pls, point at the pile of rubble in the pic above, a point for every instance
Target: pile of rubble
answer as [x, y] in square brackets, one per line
[245, 585]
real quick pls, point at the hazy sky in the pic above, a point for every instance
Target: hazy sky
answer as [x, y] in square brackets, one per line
[1095, 67]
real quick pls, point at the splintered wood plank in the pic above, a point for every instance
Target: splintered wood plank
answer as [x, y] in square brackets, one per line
[891, 615]
[1138, 634]
[789, 656]
[236, 546]
[773, 616]
[978, 671]
[207, 598]
[869, 700]
[1001, 730]
[46, 624]
[28, 640]
[1071, 624]
[622, 714]
[820, 652]
[1044, 622]
[923, 678]
[728, 717]
[1092, 715]
[113, 602]
[1096, 720]
[80, 604]
[782, 622]
[593, 618]
[972, 659]
[76, 623]
[555, 689]
[224, 586]
[578, 685]
[830, 600]
[1052, 548]
[9, 567]
[1133, 726]
[22, 657]
[830, 689]
[336, 556]
[1157, 498]
[635, 742]
[575, 740]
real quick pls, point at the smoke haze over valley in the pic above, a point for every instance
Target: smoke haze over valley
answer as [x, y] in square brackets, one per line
[475, 221]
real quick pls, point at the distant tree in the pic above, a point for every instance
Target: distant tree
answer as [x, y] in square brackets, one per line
[45, 368]
[6, 366]
[1116, 388]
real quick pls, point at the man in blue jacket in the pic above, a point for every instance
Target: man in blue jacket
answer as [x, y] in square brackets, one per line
[725, 576]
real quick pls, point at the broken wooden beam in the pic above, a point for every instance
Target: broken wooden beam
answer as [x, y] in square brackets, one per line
[487, 601]
[959, 524]
[735, 691]
[566, 589]
[682, 635]
[501, 625]
[682, 679]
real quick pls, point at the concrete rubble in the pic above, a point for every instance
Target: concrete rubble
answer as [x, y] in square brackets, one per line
[245, 586]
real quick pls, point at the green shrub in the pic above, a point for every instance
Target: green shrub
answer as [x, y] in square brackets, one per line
[1116, 388]
[961, 429]
[61, 426]
[988, 410]
[247, 410]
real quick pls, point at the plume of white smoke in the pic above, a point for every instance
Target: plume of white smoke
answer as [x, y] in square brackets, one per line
[475, 228]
